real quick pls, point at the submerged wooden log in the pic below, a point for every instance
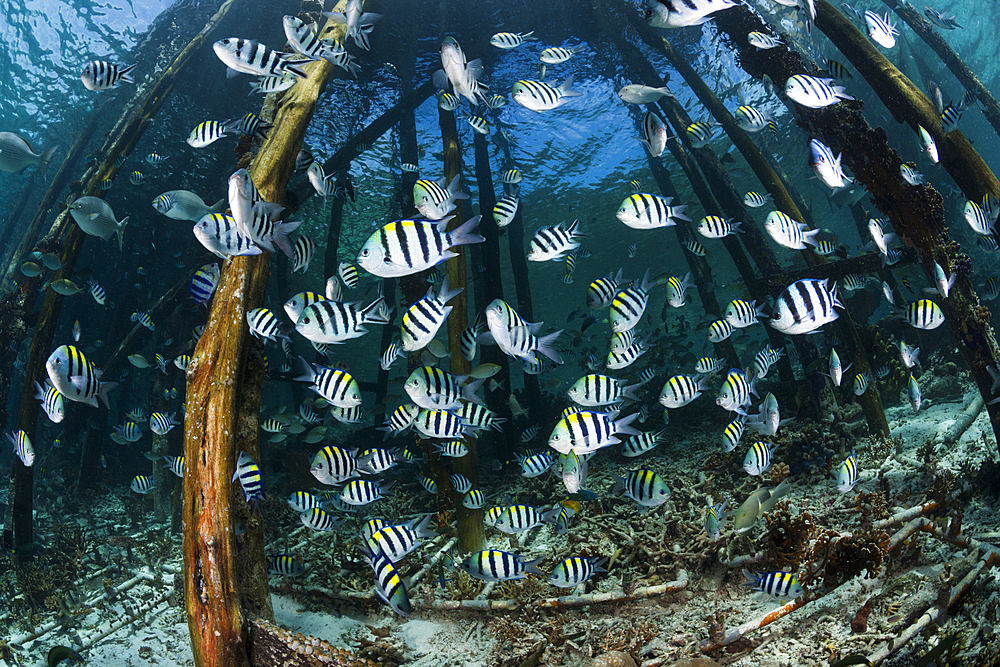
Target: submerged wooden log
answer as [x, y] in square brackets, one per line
[933, 39]
[224, 584]
[471, 531]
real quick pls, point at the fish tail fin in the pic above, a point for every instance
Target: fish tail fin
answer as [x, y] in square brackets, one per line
[678, 212]
[126, 74]
[121, 232]
[43, 161]
[622, 425]
[531, 567]
[469, 392]
[629, 391]
[446, 295]
[545, 346]
[102, 392]
[464, 233]
[282, 230]
[220, 206]
[567, 88]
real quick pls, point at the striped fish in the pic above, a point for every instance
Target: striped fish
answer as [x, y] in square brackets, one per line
[102, 75]
[272, 84]
[326, 321]
[647, 211]
[405, 247]
[847, 475]
[302, 501]
[756, 200]
[708, 365]
[628, 305]
[302, 38]
[775, 584]
[512, 40]
[360, 492]
[596, 390]
[619, 359]
[336, 386]
[492, 565]
[516, 337]
[422, 321]
[923, 314]
[142, 484]
[249, 125]
[736, 391]
[766, 358]
[474, 499]
[375, 461]
[837, 71]
[788, 232]
[22, 447]
[352, 415]
[762, 41]
[700, 133]
[720, 330]
[52, 402]
[468, 342]
[433, 388]
[145, 319]
[584, 432]
[333, 465]
[161, 424]
[674, 14]
[535, 465]
[284, 565]
[680, 390]
[758, 458]
[388, 584]
[804, 306]
[644, 487]
[558, 54]
[430, 486]
[454, 449]
[175, 464]
[319, 520]
[814, 92]
[204, 282]
[265, 325]
[480, 125]
[677, 290]
[128, 432]
[741, 314]
[695, 247]
[77, 378]
[717, 227]
[575, 571]
[434, 200]
[348, 274]
[248, 472]
[220, 236]
[881, 29]
[206, 133]
[978, 220]
[442, 424]
[393, 352]
[251, 57]
[551, 243]
[460, 483]
[520, 518]
[638, 445]
[732, 433]
[750, 119]
[400, 419]
[480, 418]
[505, 210]
[602, 291]
[395, 542]
[302, 253]
[96, 291]
[540, 96]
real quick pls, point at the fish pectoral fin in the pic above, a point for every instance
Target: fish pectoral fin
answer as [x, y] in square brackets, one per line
[79, 382]
[92, 216]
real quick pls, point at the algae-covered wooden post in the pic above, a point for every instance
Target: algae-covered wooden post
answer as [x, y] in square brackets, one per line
[926, 31]
[224, 585]
[916, 213]
[471, 533]
[121, 140]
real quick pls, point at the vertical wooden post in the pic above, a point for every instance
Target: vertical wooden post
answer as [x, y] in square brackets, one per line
[225, 584]
[471, 533]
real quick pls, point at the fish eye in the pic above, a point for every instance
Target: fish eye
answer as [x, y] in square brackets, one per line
[305, 320]
[364, 253]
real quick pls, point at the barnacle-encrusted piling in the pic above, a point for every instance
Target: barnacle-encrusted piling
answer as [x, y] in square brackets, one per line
[224, 585]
